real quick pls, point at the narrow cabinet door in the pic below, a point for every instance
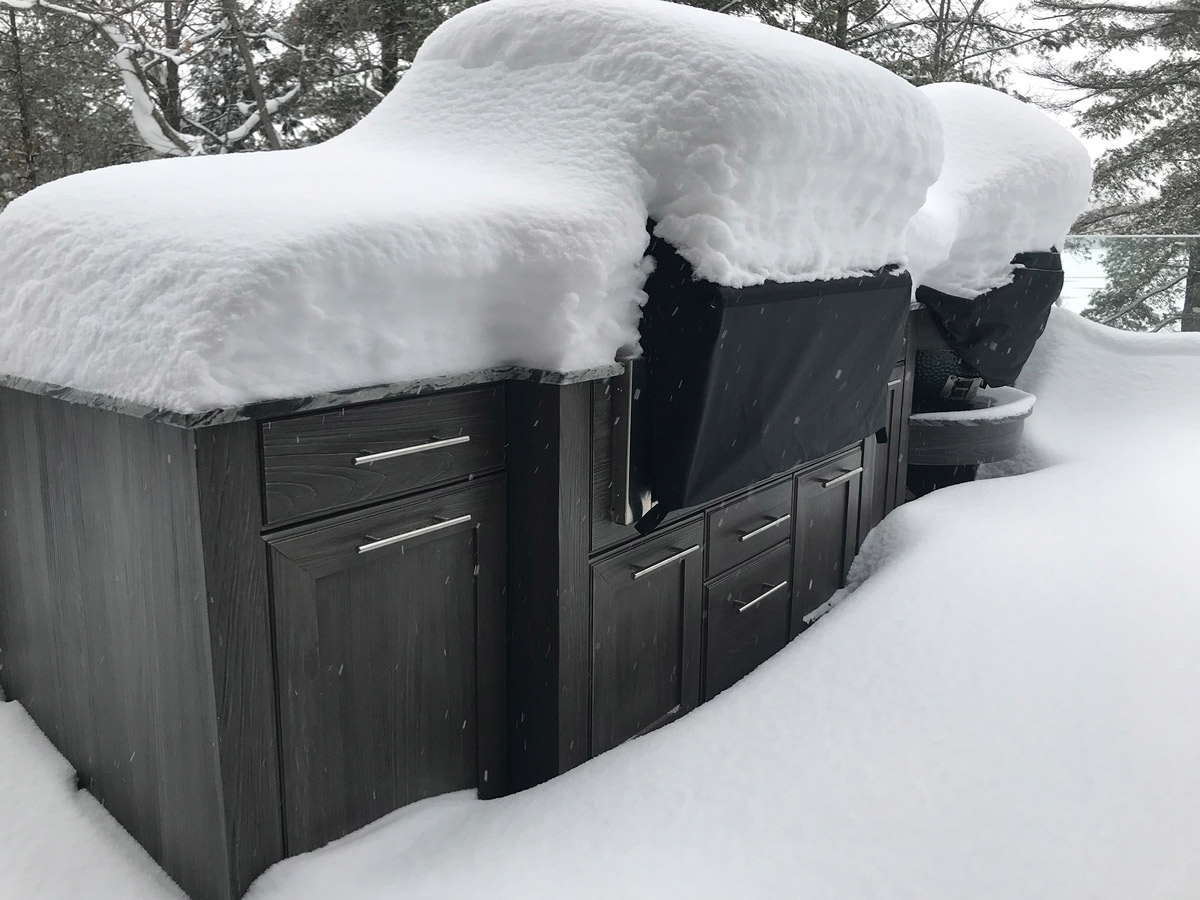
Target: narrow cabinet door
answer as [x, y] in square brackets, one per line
[390, 641]
[826, 517]
[882, 461]
[646, 605]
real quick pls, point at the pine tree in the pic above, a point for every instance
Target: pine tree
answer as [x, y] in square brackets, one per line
[1152, 183]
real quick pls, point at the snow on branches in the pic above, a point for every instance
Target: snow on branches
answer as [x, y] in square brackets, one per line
[150, 71]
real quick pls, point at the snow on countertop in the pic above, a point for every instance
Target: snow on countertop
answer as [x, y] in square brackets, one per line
[490, 212]
[1002, 707]
[1013, 181]
[998, 404]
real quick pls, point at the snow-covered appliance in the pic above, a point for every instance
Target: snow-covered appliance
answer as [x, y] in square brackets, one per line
[745, 383]
[992, 334]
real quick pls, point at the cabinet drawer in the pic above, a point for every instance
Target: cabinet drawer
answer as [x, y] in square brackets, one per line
[349, 457]
[743, 528]
[747, 618]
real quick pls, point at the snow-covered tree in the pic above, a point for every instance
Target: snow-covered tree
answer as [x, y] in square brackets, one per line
[1151, 182]
[153, 48]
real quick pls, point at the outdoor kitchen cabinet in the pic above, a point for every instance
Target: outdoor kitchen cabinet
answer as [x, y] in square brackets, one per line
[189, 614]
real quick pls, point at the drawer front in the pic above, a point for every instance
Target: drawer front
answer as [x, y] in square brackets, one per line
[329, 461]
[743, 528]
[747, 618]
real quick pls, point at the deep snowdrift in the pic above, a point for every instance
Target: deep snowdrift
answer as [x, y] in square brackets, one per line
[491, 211]
[1004, 708]
[1013, 181]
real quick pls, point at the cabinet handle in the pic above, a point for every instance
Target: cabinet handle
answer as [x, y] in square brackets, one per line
[896, 383]
[674, 557]
[840, 479]
[436, 444]
[376, 543]
[763, 596]
[757, 531]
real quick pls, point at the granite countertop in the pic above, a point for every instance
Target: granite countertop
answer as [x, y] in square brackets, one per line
[270, 409]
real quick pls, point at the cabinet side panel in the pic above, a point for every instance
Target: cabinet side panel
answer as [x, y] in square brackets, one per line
[235, 559]
[549, 610]
[104, 620]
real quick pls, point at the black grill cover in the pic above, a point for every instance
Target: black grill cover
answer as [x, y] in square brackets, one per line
[994, 333]
[747, 383]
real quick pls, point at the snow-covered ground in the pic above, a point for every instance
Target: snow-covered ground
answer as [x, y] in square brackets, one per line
[1004, 706]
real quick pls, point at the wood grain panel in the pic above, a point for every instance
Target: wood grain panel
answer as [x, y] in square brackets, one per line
[104, 624]
[825, 535]
[309, 461]
[646, 636]
[391, 662]
[728, 522]
[235, 561]
[549, 605]
[737, 640]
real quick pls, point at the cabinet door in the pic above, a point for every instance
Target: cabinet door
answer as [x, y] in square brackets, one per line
[893, 486]
[826, 517]
[390, 641]
[882, 461]
[646, 603]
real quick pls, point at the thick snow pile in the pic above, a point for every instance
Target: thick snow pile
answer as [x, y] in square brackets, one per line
[1013, 181]
[1003, 708]
[491, 211]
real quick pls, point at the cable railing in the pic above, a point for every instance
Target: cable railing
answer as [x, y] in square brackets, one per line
[1136, 282]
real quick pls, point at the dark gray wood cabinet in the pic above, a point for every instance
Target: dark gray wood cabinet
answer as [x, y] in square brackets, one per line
[826, 533]
[389, 632]
[646, 606]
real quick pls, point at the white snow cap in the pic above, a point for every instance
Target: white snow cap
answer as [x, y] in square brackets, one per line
[1013, 181]
[491, 211]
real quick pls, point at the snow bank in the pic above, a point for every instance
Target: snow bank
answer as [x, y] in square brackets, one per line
[491, 211]
[56, 841]
[1013, 181]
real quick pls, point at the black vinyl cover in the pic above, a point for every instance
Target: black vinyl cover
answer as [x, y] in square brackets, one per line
[746, 383]
[994, 333]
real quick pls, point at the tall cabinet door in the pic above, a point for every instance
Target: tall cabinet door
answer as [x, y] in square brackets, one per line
[826, 532]
[882, 476]
[646, 609]
[390, 632]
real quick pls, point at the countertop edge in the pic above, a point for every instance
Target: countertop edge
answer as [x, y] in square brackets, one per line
[270, 409]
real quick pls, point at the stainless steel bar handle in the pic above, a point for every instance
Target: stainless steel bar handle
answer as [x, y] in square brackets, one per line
[378, 543]
[674, 557]
[435, 444]
[896, 383]
[763, 596]
[757, 531]
[845, 476]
